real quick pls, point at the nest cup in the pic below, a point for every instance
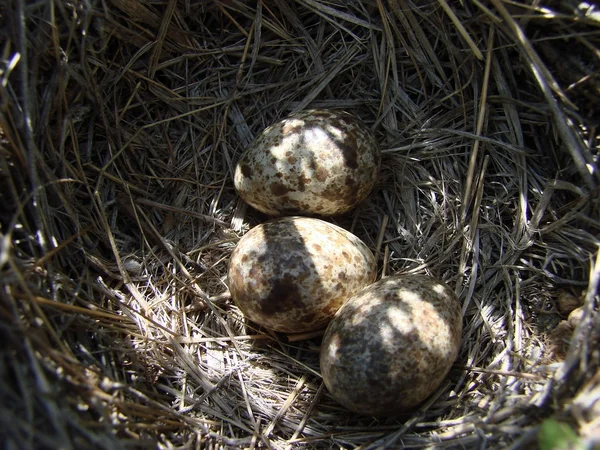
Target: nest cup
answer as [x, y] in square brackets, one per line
[120, 126]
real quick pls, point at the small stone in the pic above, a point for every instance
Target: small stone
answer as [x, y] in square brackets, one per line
[575, 316]
[567, 302]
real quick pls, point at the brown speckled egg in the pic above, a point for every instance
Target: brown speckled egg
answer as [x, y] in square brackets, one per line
[316, 162]
[292, 274]
[390, 346]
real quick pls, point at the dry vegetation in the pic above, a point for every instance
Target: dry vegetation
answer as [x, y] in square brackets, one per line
[120, 123]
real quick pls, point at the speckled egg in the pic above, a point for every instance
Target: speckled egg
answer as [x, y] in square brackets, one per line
[390, 346]
[292, 274]
[316, 162]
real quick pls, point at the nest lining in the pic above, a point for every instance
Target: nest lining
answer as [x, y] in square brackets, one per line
[121, 123]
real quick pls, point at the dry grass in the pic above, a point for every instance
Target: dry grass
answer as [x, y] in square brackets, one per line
[120, 123]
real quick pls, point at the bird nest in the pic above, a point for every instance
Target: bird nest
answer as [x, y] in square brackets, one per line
[120, 126]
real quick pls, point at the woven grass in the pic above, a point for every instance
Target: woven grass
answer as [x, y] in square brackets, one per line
[120, 125]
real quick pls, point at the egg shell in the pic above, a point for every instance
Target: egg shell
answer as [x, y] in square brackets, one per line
[316, 162]
[292, 274]
[390, 346]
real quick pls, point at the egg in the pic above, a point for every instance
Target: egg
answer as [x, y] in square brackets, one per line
[390, 346]
[316, 162]
[292, 274]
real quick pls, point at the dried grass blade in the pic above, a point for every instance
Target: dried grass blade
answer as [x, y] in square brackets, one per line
[285, 406]
[480, 122]
[77, 309]
[124, 273]
[307, 414]
[162, 34]
[338, 14]
[337, 68]
[421, 50]
[461, 29]
[581, 156]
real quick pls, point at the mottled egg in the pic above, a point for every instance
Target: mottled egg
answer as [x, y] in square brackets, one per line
[316, 162]
[292, 274]
[390, 346]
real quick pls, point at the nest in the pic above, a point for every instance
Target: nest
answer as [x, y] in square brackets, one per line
[120, 125]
